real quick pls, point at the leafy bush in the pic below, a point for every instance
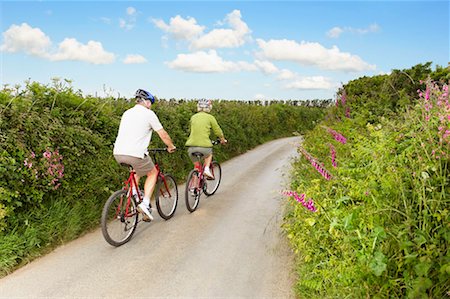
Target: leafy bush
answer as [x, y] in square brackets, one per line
[381, 228]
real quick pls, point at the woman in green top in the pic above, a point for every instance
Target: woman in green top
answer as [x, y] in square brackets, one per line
[201, 124]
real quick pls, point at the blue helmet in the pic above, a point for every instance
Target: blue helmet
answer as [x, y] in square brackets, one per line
[144, 95]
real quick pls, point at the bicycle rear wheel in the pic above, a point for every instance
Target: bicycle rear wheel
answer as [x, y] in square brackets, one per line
[118, 223]
[192, 192]
[211, 186]
[166, 196]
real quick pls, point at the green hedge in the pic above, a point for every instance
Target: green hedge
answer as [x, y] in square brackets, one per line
[381, 229]
[56, 163]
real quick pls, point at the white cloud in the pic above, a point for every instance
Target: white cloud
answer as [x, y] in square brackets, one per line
[180, 28]
[26, 39]
[34, 42]
[131, 11]
[312, 54]
[134, 59]
[336, 32]
[309, 83]
[188, 29]
[208, 62]
[225, 38]
[130, 20]
[285, 74]
[371, 29]
[92, 52]
[266, 67]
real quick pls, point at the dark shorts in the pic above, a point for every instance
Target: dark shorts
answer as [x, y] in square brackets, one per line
[141, 166]
[206, 151]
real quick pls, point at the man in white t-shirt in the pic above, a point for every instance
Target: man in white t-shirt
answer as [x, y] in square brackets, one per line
[133, 139]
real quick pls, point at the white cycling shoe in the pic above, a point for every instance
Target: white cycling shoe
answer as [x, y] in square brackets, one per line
[146, 212]
[208, 174]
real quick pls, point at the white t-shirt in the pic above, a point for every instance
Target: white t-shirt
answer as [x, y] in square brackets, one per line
[135, 131]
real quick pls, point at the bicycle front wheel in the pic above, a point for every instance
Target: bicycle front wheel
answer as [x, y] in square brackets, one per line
[119, 218]
[192, 193]
[166, 196]
[211, 185]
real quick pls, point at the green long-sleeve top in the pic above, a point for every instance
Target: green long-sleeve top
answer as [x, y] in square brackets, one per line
[201, 125]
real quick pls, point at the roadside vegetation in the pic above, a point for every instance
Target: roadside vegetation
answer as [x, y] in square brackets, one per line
[369, 213]
[56, 163]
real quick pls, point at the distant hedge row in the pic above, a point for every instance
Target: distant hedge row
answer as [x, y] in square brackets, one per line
[56, 163]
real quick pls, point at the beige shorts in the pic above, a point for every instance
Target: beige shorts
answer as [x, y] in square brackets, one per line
[206, 151]
[141, 166]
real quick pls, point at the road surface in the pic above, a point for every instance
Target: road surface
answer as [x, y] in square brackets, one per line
[231, 247]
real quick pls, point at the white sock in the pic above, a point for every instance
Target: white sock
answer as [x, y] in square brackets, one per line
[133, 190]
[146, 202]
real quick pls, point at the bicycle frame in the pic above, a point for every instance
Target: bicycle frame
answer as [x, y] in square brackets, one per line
[131, 181]
[201, 169]
[120, 214]
[160, 173]
[128, 185]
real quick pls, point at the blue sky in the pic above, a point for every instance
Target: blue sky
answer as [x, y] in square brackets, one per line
[236, 50]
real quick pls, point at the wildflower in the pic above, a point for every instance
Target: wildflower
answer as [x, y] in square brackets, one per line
[316, 165]
[301, 199]
[343, 98]
[333, 156]
[47, 154]
[337, 136]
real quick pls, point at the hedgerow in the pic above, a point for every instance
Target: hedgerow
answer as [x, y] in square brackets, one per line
[381, 228]
[56, 162]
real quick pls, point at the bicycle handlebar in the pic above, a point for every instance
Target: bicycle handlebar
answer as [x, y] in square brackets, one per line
[157, 150]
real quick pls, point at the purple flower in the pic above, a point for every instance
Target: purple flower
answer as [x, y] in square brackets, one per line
[316, 165]
[337, 136]
[343, 98]
[333, 156]
[47, 154]
[301, 199]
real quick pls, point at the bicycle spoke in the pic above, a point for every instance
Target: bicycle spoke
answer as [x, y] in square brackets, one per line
[166, 196]
[213, 184]
[119, 218]
[192, 192]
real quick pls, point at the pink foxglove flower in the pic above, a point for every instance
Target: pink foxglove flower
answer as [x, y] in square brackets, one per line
[337, 136]
[316, 165]
[301, 199]
[333, 156]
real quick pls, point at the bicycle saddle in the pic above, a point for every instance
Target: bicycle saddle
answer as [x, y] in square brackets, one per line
[197, 154]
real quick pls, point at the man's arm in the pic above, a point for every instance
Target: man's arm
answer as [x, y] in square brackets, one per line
[167, 140]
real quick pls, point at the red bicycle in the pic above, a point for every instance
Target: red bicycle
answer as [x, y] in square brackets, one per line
[197, 182]
[120, 215]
